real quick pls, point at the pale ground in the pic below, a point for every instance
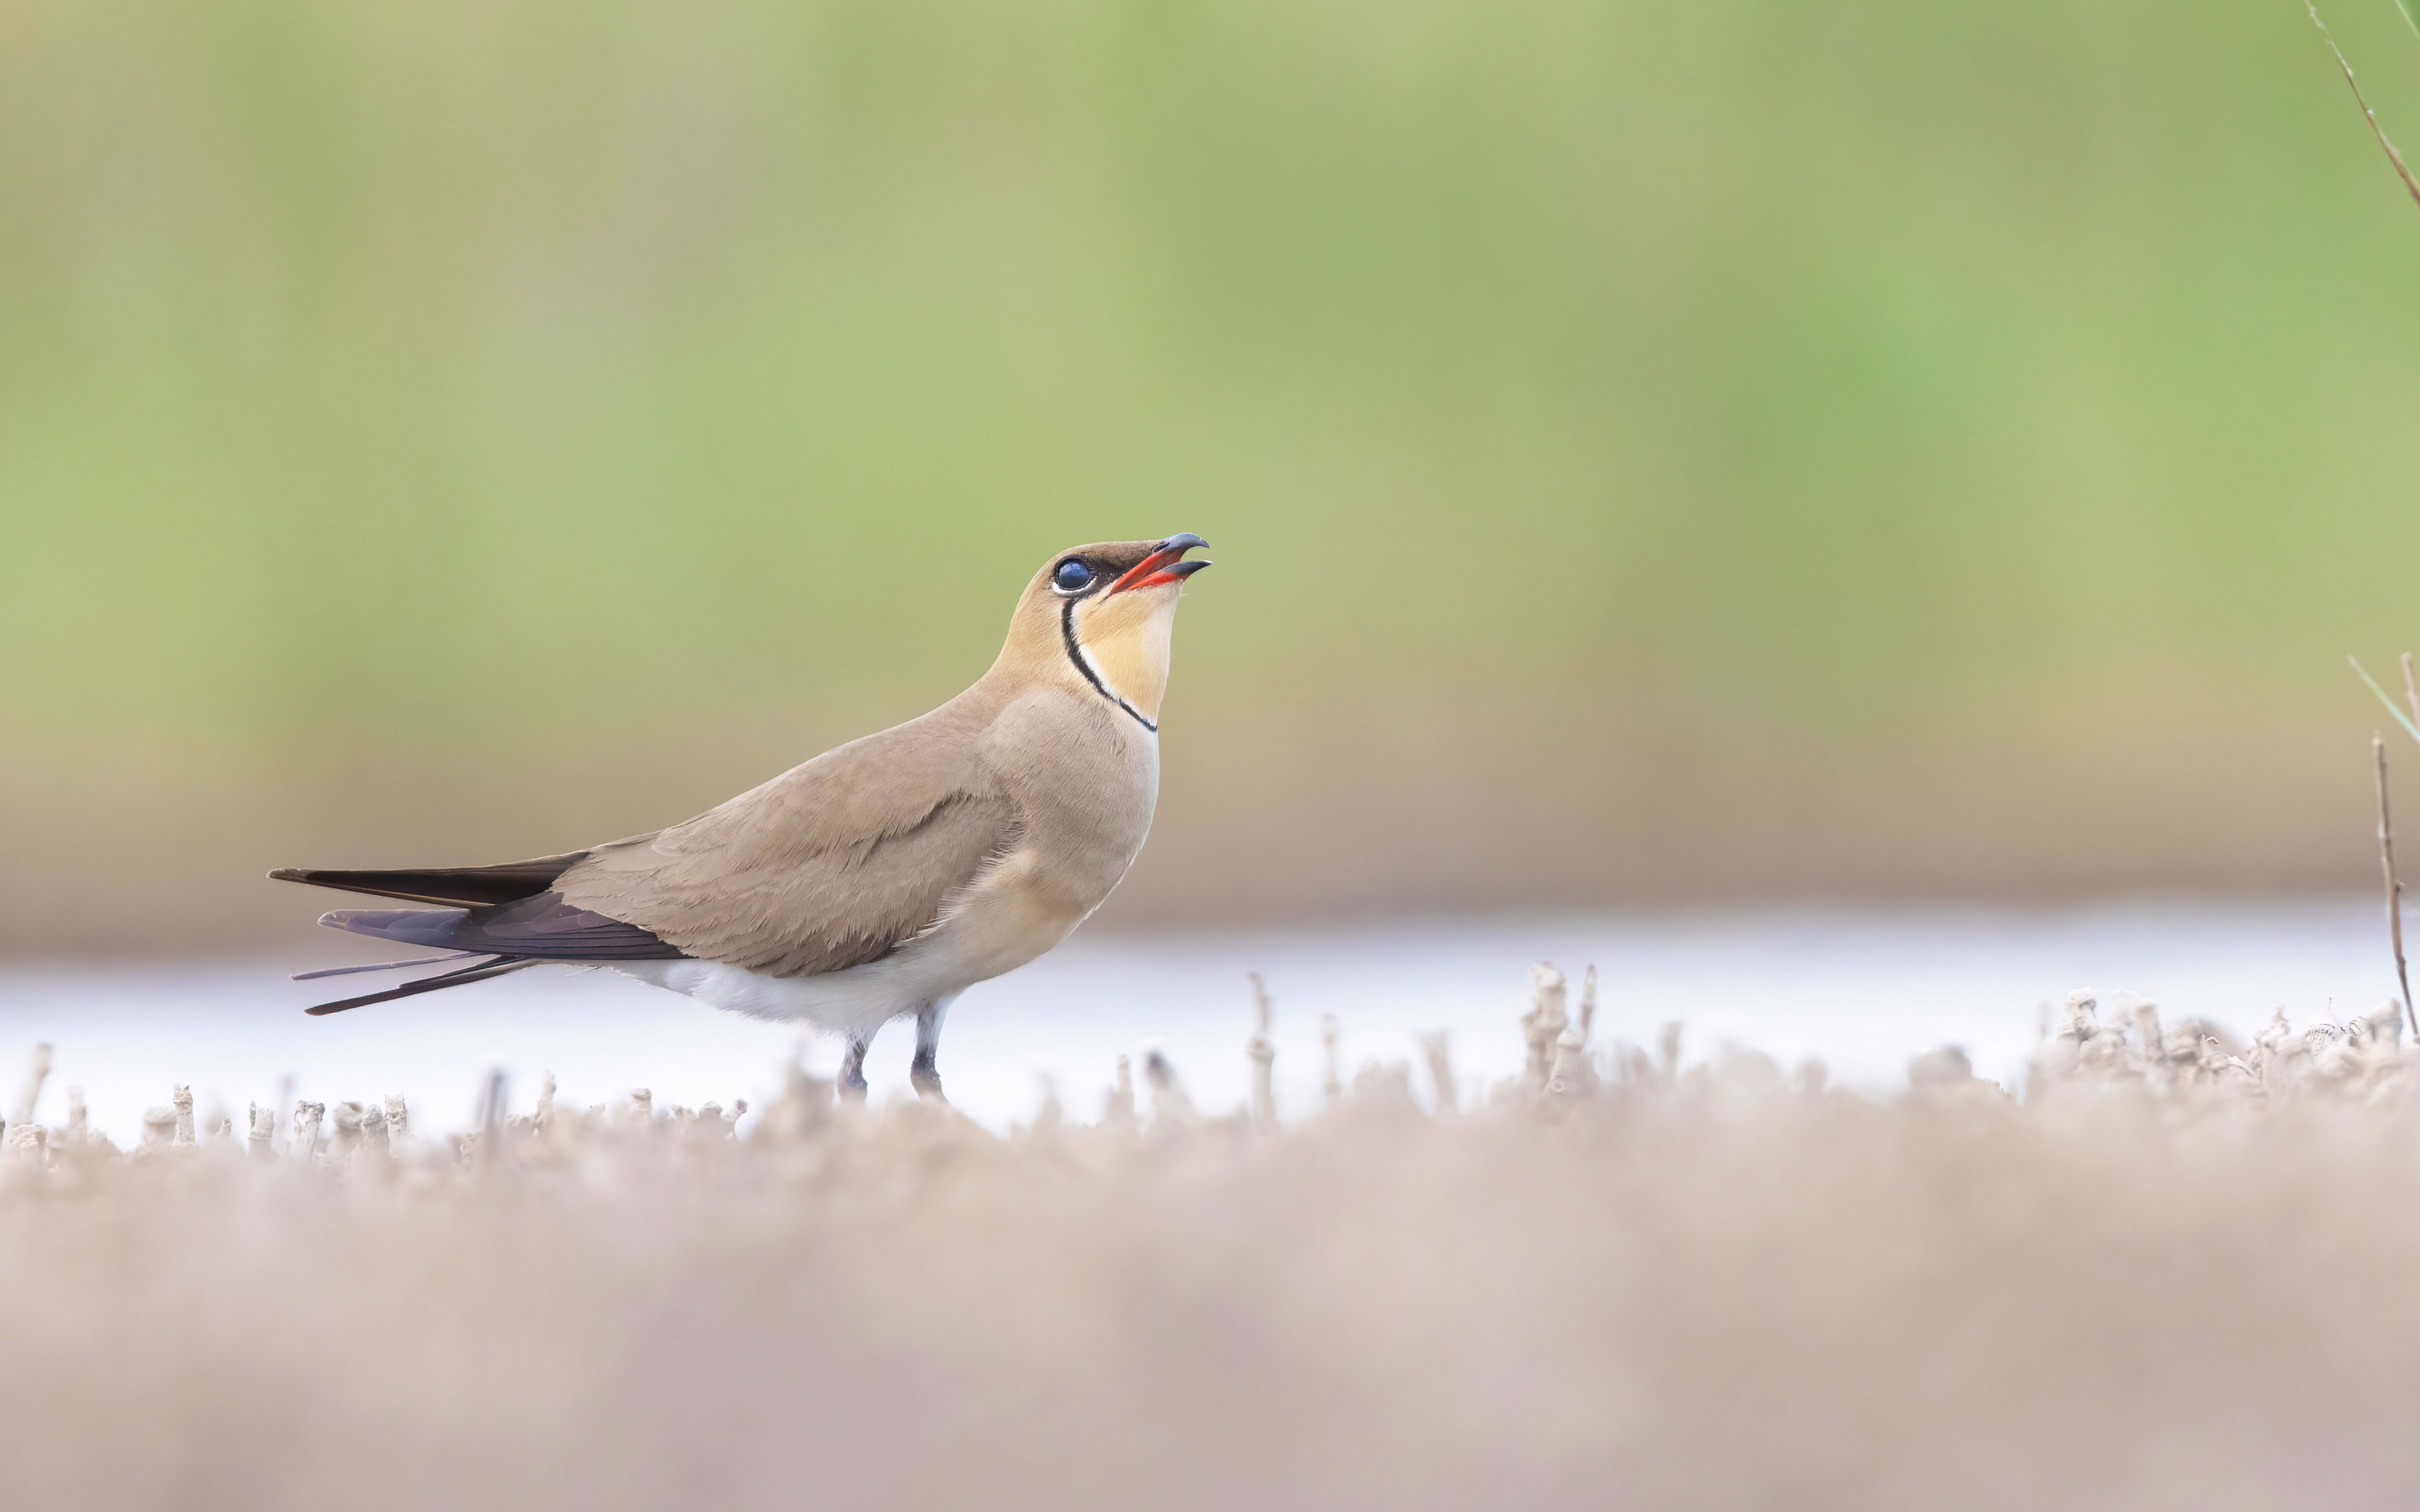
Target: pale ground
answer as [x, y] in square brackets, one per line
[2181, 1279]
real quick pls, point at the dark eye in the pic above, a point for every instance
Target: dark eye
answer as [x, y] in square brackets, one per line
[1072, 574]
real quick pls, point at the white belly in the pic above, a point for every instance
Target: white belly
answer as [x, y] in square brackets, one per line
[854, 1002]
[1004, 922]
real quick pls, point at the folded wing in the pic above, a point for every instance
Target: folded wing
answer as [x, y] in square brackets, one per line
[828, 866]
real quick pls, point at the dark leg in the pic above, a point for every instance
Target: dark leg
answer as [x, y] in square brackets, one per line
[925, 1073]
[852, 1069]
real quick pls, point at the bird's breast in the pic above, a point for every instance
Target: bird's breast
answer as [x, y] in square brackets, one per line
[1014, 912]
[1084, 778]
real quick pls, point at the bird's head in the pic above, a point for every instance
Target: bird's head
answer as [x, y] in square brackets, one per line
[1101, 617]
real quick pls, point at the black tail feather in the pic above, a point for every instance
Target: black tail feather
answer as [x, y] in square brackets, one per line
[462, 977]
[382, 965]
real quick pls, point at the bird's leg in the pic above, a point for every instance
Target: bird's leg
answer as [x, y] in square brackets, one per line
[925, 1073]
[852, 1069]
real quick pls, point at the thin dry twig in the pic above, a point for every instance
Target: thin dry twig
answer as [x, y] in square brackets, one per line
[1118, 1112]
[1170, 1106]
[2354, 85]
[1263, 1053]
[29, 1091]
[1437, 1047]
[493, 1103]
[2385, 699]
[2394, 883]
[1543, 1024]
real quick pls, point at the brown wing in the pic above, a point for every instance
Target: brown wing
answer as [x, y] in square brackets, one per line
[830, 865]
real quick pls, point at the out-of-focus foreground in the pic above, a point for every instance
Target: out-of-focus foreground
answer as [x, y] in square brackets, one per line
[2175, 1275]
[1652, 449]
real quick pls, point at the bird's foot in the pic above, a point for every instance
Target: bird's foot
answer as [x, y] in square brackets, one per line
[926, 1079]
[850, 1088]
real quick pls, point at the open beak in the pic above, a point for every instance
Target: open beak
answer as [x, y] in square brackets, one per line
[1166, 564]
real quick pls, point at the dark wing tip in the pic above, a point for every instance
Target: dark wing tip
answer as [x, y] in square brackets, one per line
[472, 885]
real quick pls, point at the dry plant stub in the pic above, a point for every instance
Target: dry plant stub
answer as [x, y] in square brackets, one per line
[2169, 1271]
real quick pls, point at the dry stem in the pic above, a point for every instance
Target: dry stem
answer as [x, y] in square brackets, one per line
[2386, 864]
[2351, 82]
[29, 1092]
[1263, 1053]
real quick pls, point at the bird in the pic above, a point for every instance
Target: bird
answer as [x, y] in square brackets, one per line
[877, 881]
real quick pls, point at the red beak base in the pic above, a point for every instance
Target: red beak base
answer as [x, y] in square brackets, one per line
[1167, 565]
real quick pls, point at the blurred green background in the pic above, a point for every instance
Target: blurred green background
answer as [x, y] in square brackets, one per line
[1654, 450]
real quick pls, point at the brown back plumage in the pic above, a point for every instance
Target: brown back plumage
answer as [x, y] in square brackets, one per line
[830, 865]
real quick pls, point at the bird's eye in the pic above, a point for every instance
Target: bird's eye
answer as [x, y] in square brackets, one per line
[1072, 575]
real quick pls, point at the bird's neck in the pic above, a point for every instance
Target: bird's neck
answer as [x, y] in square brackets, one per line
[1112, 650]
[1123, 641]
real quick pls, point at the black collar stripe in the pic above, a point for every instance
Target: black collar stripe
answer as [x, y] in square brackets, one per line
[1084, 665]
